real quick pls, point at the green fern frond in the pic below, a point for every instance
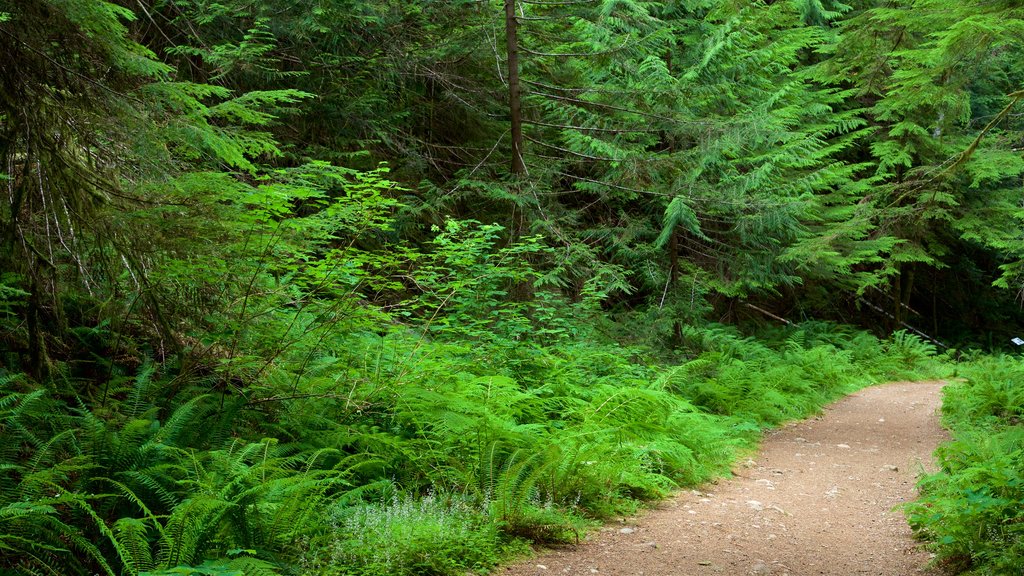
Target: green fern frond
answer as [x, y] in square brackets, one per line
[187, 530]
[132, 535]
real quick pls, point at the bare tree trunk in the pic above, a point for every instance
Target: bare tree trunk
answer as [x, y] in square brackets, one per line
[901, 293]
[36, 342]
[521, 291]
[908, 286]
[514, 106]
[673, 280]
[897, 299]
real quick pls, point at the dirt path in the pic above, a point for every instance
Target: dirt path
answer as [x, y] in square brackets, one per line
[816, 499]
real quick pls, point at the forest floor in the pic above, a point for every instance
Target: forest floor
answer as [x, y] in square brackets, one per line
[817, 498]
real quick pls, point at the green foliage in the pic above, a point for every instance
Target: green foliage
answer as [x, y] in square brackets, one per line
[431, 458]
[742, 377]
[432, 535]
[909, 352]
[971, 510]
[236, 342]
[136, 494]
[939, 147]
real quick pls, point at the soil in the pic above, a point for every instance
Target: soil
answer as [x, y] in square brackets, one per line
[817, 498]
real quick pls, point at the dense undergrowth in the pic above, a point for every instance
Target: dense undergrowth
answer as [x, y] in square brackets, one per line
[408, 455]
[972, 509]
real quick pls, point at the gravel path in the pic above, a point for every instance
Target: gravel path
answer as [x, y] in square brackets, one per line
[816, 499]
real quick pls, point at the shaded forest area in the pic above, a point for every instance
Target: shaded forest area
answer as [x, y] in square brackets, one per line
[342, 287]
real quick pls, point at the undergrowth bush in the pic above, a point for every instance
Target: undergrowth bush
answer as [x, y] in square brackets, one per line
[972, 510]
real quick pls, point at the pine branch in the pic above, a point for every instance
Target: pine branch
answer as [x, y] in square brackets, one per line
[621, 109]
[586, 129]
[573, 153]
[625, 43]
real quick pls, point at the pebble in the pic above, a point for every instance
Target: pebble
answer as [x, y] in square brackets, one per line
[627, 530]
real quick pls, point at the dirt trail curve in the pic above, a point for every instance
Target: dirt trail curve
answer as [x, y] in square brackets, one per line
[816, 499]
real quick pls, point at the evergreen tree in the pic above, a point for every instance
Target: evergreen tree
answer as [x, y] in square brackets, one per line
[933, 78]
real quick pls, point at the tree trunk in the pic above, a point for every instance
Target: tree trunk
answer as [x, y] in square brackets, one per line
[521, 291]
[673, 280]
[518, 167]
[902, 291]
[908, 286]
[37, 358]
[897, 301]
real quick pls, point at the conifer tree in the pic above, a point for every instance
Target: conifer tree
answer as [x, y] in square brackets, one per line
[934, 79]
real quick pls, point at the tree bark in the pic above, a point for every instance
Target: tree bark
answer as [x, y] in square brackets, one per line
[908, 287]
[897, 300]
[518, 167]
[37, 358]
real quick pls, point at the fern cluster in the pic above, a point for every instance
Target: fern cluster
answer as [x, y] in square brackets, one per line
[430, 458]
[135, 493]
[534, 439]
[972, 510]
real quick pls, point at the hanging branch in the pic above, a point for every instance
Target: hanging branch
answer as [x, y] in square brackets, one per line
[621, 109]
[625, 43]
[966, 154]
[577, 154]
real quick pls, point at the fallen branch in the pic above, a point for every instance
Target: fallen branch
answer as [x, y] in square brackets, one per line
[768, 314]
